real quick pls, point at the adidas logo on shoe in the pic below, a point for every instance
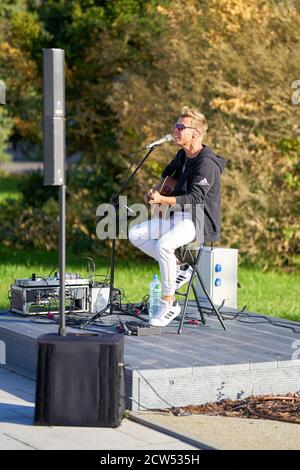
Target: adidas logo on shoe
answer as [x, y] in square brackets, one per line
[183, 275]
[167, 312]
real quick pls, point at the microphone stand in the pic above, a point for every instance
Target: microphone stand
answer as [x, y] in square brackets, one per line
[114, 201]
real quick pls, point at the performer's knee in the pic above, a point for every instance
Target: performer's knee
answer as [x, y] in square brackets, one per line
[163, 248]
[134, 235]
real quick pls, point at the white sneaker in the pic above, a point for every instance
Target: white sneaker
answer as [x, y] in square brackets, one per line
[183, 275]
[167, 312]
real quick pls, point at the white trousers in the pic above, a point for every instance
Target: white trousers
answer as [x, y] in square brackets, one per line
[159, 239]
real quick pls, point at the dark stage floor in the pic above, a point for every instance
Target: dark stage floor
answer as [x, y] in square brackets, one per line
[256, 355]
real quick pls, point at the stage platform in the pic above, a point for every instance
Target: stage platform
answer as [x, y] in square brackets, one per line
[256, 355]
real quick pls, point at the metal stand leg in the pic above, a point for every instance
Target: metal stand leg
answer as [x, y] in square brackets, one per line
[199, 305]
[195, 272]
[183, 315]
[216, 311]
[190, 284]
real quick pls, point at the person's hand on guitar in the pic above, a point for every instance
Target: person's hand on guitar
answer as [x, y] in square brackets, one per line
[152, 196]
[161, 192]
[148, 195]
[155, 197]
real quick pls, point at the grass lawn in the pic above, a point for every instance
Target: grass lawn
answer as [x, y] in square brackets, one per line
[272, 293]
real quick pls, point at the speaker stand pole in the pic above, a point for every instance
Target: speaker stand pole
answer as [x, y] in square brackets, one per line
[62, 258]
[112, 276]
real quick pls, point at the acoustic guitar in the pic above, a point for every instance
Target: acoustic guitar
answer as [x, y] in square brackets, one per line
[165, 187]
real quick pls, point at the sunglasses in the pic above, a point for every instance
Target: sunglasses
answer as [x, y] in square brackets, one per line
[180, 127]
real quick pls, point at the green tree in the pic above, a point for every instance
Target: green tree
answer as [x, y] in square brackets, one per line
[131, 65]
[236, 60]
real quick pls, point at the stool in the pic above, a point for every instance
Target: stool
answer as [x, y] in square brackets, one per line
[183, 251]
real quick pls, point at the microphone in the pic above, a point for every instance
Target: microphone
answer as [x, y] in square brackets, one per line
[166, 138]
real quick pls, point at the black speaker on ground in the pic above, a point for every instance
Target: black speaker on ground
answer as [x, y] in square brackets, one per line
[54, 116]
[80, 380]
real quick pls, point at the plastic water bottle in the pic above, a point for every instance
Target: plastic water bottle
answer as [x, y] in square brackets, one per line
[155, 295]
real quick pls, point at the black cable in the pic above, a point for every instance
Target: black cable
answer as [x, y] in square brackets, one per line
[235, 315]
[241, 315]
[56, 267]
[42, 320]
[272, 322]
[153, 389]
[76, 323]
[142, 406]
[136, 310]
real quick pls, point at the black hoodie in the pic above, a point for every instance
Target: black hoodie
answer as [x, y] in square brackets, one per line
[199, 183]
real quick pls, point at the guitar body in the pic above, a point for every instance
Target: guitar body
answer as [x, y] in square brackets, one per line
[165, 187]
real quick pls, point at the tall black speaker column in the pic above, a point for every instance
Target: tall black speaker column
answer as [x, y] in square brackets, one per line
[80, 377]
[55, 152]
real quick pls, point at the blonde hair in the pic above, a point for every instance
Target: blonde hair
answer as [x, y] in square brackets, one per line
[198, 117]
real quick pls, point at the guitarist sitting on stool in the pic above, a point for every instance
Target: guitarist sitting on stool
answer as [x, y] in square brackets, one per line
[198, 172]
